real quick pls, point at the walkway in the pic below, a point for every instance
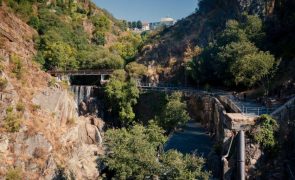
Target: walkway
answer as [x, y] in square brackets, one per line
[252, 107]
[88, 72]
[192, 139]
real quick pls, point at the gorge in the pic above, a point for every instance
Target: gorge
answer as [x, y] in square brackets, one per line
[83, 96]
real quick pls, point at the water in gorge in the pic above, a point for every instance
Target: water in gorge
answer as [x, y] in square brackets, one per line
[193, 138]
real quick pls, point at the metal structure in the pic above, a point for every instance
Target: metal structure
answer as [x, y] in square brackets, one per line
[241, 156]
[82, 72]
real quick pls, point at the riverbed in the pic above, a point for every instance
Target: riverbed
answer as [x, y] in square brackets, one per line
[193, 138]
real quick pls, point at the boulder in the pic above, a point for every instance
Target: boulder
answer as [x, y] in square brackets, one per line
[28, 145]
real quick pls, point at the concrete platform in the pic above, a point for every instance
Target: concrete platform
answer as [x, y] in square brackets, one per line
[239, 121]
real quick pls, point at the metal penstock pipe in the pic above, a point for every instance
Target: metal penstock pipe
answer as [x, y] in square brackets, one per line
[241, 156]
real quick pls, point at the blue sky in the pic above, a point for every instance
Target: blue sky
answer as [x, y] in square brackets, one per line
[148, 10]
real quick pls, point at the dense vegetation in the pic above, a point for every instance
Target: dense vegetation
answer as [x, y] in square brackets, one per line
[136, 153]
[234, 58]
[174, 113]
[122, 94]
[77, 35]
[265, 132]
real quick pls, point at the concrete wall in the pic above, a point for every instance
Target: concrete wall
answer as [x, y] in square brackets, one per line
[229, 104]
[213, 115]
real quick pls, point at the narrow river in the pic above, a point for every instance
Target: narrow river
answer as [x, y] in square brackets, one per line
[192, 139]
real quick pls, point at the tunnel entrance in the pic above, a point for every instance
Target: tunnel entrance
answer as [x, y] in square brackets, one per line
[89, 80]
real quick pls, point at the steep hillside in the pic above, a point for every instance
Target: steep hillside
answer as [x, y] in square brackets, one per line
[41, 135]
[167, 52]
[76, 34]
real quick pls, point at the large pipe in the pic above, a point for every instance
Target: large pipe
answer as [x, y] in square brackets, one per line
[241, 156]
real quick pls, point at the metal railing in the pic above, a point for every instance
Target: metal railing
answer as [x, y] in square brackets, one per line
[175, 87]
[82, 72]
[257, 110]
[253, 110]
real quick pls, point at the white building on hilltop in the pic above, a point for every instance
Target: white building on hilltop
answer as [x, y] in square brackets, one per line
[167, 22]
[145, 26]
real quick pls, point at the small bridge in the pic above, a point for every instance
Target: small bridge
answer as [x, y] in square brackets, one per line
[68, 75]
[87, 72]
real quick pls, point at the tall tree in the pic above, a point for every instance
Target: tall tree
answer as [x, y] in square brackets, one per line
[174, 114]
[234, 58]
[122, 92]
[139, 25]
[134, 24]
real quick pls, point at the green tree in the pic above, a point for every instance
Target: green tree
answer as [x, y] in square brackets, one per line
[252, 68]
[134, 152]
[233, 58]
[135, 155]
[253, 27]
[60, 55]
[134, 24]
[99, 58]
[127, 46]
[139, 24]
[123, 94]
[130, 25]
[174, 114]
[179, 166]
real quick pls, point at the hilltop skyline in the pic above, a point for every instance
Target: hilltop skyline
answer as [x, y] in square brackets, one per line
[149, 11]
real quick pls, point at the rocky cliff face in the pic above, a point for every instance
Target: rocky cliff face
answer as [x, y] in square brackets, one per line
[41, 134]
[15, 36]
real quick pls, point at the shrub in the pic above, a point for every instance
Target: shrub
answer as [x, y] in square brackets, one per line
[101, 23]
[34, 22]
[136, 70]
[12, 4]
[18, 66]
[36, 107]
[52, 82]
[39, 58]
[99, 38]
[9, 109]
[14, 174]
[3, 83]
[20, 107]
[11, 121]
[265, 134]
